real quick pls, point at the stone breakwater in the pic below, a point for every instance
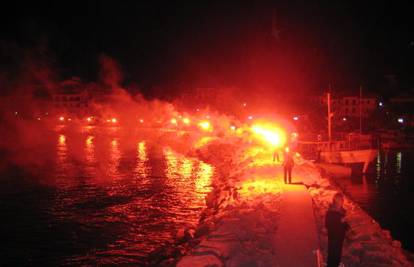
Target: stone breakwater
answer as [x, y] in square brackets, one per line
[366, 244]
[237, 229]
[228, 162]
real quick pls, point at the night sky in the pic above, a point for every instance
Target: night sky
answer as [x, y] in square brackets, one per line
[219, 43]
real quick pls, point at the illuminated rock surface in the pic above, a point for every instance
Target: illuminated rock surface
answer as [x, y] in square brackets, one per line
[267, 223]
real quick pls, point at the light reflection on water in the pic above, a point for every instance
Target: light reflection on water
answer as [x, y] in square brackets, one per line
[114, 200]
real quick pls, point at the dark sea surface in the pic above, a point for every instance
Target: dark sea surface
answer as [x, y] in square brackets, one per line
[93, 198]
[387, 194]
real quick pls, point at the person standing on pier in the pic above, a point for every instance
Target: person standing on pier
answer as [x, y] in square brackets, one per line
[288, 163]
[337, 227]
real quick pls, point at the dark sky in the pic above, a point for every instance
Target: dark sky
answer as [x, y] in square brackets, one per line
[216, 43]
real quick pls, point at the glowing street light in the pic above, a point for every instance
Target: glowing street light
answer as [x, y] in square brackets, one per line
[400, 120]
[344, 118]
[250, 117]
[380, 104]
[141, 120]
[232, 127]
[186, 121]
[173, 121]
[61, 118]
[296, 118]
[114, 120]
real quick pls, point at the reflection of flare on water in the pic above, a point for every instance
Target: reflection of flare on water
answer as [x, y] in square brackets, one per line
[61, 149]
[186, 168]
[90, 150]
[203, 179]
[183, 171]
[62, 139]
[172, 163]
[115, 158]
[142, 168]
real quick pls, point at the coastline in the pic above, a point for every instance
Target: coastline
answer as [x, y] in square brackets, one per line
[213, 242]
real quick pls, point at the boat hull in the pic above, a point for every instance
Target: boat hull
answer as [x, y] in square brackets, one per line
[364, 156]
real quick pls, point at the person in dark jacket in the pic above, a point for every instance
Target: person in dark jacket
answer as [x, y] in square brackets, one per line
[337, 227]
[288, 163]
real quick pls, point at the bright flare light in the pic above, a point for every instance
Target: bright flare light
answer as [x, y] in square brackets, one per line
[114, 120]
[271, 135]
[173, 121]
[204, 125]
[61, 118]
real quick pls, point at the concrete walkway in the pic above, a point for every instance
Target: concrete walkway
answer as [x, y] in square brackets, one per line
[272, 225]
[295, 241]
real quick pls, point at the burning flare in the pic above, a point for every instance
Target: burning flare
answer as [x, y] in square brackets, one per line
[269, 134]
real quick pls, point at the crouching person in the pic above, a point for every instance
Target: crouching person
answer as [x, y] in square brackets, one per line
[337, 228]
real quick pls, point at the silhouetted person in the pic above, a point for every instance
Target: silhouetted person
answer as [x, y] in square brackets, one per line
[288, 166]
[276, 156]
[337, 227]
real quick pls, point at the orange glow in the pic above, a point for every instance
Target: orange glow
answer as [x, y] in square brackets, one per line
[61, 118]
[204, 125]
[271, 135]
[114, 120]
[62, 139]
[204, 141]
[186, 121]
[69, 119]
[141, 120]
[260, 186]
[203, 178]
[89, 140]
[89, 119]
[232, 127]
[173, 121]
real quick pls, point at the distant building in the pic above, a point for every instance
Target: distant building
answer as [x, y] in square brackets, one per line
[71, 97]
[351, 106]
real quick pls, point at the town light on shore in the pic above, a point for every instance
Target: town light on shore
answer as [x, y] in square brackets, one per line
[61, 118]
[204, 125]
[114, 120]
[186, 121]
